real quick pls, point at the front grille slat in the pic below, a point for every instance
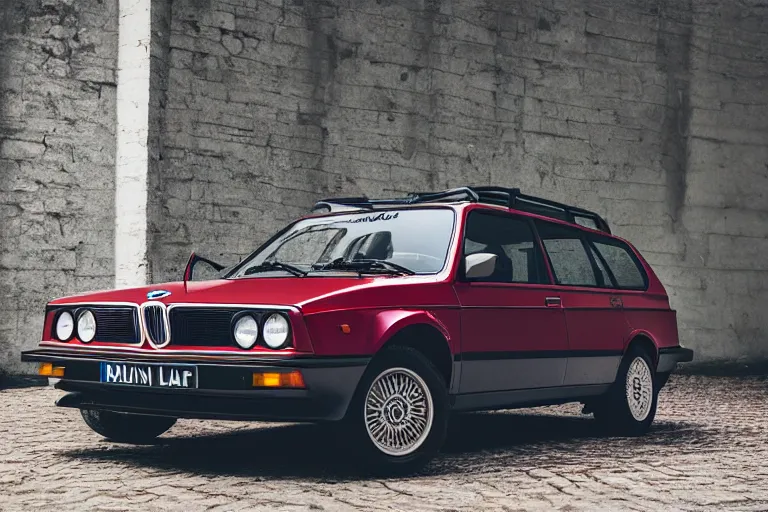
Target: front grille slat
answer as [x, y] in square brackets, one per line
[203, 327]
[116, 324]
[154, 322]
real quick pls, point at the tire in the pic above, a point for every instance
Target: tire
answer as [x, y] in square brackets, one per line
[126, 428]
[630, 406]
[417, 420]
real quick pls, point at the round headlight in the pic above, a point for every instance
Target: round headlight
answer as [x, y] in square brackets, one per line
[65, 325]
[86, 326]
[275, 331]
[246, 331]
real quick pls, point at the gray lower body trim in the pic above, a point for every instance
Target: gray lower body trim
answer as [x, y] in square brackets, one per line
[490, 375]
[526, 397]
[509, 374]
[456, 378]
[584, 371]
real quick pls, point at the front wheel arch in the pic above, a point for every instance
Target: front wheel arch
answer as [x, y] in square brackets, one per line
[430, 342]
[354, 424]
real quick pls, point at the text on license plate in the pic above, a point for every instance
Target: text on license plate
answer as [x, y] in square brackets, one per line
[154, 375]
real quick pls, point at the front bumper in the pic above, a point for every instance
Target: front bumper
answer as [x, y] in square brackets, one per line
[670, 356]
[224, 387]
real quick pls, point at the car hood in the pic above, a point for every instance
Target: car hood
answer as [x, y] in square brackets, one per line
[288, 291]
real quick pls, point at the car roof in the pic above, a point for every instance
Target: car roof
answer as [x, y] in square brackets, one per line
[507, 198]
[460, 206]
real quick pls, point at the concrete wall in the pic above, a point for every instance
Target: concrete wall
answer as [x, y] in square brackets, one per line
[57, 133]
[653, 113]
[718, 271]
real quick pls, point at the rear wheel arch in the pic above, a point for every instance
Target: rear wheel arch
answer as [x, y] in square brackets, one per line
[629, 406]
[645, 342]
[429, 341]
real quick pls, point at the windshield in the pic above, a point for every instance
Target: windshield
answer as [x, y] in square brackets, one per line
[415, 239]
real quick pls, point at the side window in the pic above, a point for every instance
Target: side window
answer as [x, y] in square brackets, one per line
[623, 266]
[570, 261]
[511, 239]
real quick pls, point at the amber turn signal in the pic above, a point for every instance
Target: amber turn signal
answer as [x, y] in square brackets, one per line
[292, 379]
[345, 328]
[48, 370]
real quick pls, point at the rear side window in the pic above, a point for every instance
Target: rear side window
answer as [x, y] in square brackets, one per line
[566, 251]
[625, 268]
[511, 240]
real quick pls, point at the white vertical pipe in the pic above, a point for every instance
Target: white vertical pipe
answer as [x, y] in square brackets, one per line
[132, 157]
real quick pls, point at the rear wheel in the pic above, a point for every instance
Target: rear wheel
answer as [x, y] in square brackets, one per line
[127, 428]
[630, 406]
[399, 414]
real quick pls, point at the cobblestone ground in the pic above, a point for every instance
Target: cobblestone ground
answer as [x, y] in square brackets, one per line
[707, 451]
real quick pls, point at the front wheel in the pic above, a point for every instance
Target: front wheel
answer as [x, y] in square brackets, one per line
[126, 428]
[399, 414]
[630, 406]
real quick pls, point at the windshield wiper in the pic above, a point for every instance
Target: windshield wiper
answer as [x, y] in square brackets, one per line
[384, 264]
[275, 265]
[361, 266]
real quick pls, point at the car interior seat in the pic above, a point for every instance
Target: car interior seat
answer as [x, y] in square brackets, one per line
[373, 246]
[503, 271]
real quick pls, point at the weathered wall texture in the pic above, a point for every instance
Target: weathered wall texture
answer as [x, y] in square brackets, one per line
[57, 132]
[654, 113]
[717, 265]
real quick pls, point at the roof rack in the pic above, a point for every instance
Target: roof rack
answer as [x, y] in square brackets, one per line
[499, 196]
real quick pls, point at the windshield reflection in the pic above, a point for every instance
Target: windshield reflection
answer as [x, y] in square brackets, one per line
[403, 241]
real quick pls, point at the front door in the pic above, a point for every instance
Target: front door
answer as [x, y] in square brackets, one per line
[597, 326]
[513, 331]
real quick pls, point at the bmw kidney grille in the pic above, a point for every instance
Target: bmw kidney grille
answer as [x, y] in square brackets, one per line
[156, 324]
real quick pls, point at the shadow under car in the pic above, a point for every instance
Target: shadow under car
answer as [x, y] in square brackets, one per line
[319, 451]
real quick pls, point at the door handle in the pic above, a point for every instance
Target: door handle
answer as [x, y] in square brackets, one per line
[616, 302]
[552, 302]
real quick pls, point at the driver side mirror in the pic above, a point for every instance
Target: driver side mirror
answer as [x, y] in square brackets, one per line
[201, 269]
[479, 265]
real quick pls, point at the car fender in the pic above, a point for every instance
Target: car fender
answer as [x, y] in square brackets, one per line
[645, 334]
[388, 323]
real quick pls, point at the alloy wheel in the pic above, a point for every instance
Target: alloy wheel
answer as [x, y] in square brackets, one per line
[639, 389]
[398, 411]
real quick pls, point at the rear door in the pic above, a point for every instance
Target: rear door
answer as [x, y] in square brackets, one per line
[597, 327]
[513, 333]
[629, 282]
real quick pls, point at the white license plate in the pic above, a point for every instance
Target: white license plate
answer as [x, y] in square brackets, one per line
[149, 375]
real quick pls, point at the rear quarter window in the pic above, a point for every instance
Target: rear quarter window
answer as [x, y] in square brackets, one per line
[623, 265]
[570, 262]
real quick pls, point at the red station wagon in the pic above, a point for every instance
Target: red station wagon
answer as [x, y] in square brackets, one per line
[384, 315]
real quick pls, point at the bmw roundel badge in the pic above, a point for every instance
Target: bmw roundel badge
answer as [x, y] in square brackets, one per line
[157, 294]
